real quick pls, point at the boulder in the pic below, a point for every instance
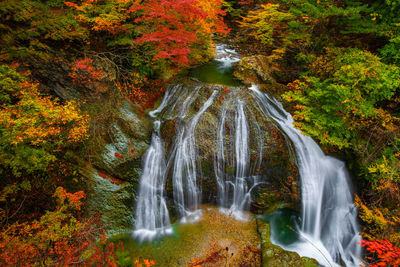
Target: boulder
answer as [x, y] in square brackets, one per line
[256, 69]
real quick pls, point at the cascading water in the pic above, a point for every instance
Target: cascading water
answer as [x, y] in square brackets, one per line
[186, 192]
[329, 228]
[225, 57]
[152, 217]
[234, 191]
[235, 145]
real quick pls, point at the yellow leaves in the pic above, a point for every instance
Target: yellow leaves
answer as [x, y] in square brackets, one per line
[107, 23]
[379, 168]
[213, 22]
[382, 224]
[37, 120]
[372, 216]
[277, 53]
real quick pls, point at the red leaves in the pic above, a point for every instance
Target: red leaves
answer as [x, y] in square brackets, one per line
[84, 72]
[117, 155]
[386, 252]
[177, 25]
[58, 238]
[109, 177]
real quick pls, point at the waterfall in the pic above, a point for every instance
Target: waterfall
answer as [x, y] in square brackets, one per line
[225, 56]
[152, 217]
[234, 191]
[186, 191]
[329, 228]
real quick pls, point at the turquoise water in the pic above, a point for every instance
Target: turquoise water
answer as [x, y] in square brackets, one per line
[283, 225]
[215, 72]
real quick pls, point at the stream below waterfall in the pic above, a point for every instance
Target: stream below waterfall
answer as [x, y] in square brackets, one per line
[212, 142]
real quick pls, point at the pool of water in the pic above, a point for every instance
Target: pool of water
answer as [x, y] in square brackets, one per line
[215, 240]
[215, 72]
[283, 224]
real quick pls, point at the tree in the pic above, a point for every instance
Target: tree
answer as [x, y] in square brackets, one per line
[175, 27]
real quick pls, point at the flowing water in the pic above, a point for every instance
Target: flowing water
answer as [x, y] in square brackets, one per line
[329, 230]
[213, 127]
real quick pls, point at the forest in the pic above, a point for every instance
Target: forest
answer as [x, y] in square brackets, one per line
[68, 68]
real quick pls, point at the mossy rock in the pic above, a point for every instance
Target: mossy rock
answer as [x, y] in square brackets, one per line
[113, 200]
[273, 255]
[119, 151]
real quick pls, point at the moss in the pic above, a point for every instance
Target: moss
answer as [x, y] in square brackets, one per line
[273, 255]
[110, 199]
[215, 240]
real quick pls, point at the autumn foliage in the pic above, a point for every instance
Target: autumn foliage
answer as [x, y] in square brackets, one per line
[60, 62]
[57, 238]
[62, 238]
[177, 26]
[387, 254]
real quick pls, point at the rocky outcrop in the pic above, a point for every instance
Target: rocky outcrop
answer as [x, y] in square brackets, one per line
[278, 168]
[261, 70]
[111, 199]
[112, 181]
[120, 133]
[250, 69]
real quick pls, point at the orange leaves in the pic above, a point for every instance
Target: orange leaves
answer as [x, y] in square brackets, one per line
[74, 200]
[70, 4]
[37, 120]
[110, 25]
[132, 87]
[103, 16]
[146, 263]
[57, 239]
[381, 224]
[140, 90]
[60, 238]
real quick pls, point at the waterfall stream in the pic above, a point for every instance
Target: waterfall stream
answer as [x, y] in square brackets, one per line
[329, 230]
[234, 145]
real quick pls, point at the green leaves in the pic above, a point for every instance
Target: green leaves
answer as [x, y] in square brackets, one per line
[335, 109]
[9, 84]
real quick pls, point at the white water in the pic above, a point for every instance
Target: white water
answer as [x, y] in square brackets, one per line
[329, 230]
[225, 56]
[186, 192]
[234, 191]
[152, 217]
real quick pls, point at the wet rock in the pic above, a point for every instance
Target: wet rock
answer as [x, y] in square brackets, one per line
[267, 144]
[127, 140]
[256, 69]
[273, 255]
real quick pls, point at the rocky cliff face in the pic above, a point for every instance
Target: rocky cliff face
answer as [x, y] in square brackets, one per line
[111, 180]
[120, 134]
